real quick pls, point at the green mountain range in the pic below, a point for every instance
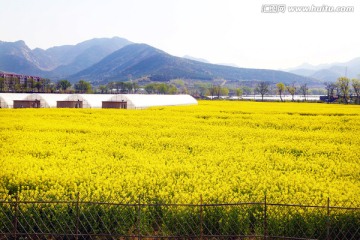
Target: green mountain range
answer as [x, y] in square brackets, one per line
[103, 60]
[141, 60]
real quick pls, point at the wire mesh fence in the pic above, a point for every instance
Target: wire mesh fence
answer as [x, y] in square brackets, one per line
[156, 220]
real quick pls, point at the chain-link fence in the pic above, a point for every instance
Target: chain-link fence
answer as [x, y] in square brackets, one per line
[108, 220]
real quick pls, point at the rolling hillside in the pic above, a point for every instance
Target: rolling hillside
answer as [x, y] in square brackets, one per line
[141, 60]
[116, 59]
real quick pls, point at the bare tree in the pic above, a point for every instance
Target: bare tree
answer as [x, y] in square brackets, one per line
[120, 87]
[330, 87]
[111, 86]
[262, 88]
[304, 90]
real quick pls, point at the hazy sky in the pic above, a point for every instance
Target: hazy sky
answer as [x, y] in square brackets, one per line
[221, 31]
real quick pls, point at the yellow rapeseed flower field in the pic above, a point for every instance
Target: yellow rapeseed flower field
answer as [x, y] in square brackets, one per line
[220, 150]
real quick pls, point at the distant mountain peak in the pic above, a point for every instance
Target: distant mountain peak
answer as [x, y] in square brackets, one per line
[21, 42]
[307, 66]
[329, 72]
[229, 64]
[196, 59]
[56, 62]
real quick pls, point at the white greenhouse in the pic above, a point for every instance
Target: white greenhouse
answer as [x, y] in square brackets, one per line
[125, 101]
[46, 100]
[140, 101]
[7, 99]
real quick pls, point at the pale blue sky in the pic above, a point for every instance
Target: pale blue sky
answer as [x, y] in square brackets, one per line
[221, 31]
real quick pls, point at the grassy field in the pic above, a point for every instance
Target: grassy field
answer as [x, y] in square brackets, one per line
[222, 151]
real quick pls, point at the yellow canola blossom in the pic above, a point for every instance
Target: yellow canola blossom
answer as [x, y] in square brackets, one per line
[218, 151]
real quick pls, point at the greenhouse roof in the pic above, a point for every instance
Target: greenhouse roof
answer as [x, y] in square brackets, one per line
[7, 99]
[134, 101]
[151, 100]
[49, 99]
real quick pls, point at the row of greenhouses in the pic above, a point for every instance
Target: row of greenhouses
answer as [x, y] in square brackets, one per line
[125, 101]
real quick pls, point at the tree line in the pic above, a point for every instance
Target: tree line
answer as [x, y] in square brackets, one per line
[343, 90]
[42, 85]
[15, 84]
[263, 88]
[64, 86]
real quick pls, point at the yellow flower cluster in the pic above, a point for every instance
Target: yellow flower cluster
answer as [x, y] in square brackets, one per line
[219, 150]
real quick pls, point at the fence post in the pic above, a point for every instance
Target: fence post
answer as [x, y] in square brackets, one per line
[16, 213]
[201, 218]
[139, 219]
[265, 219]
[77, 217]
[328, 220]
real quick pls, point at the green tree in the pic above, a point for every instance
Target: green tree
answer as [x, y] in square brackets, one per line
[22, 86]
[11, 84]
[30, 85]
[224, 91]
[128, 87]
[18, 87]
[172, 89]
[247, 90]
[280, 89]
[343, 84]
[238, 92]
[2, 84]
[162, 88]
[83, 87]
[202, 88]
[48, 85]
[150, 88]
[38, 86]
[178, 83]
[103, 88]
[111, 86]
[355, 83]
[291, 90]
[135, 87]
[183, 90]
[262, 88]
[63, 85]
[215, 90]
[120, 87]
[180, 86]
